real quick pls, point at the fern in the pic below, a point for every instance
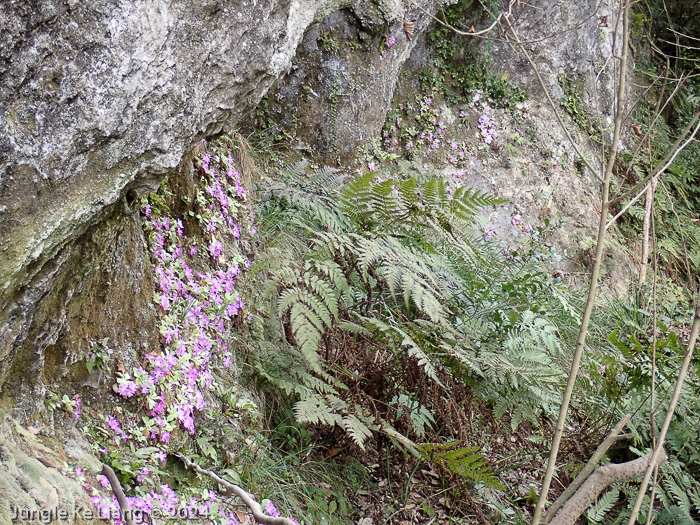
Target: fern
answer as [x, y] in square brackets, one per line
[462, 461]
[421, 418]
[603, 505]
[390, 261]
[317, 409]
[314, 195]
[329, 409]
[414, 350]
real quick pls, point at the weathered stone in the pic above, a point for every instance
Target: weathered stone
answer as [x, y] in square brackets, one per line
[344, 76]
[36, 482]
[576, 39]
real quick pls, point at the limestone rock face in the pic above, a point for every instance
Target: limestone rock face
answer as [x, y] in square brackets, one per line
[37, 482]
[98, 100]
[574, 39]
[338, 89]
[343, 79]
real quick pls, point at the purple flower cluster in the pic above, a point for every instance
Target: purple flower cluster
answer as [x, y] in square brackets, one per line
[169, 504]
[487, 126]
[194, 305]
[271, 510]
[197, 299]
[489, 233]
[427, 133]
[517, 220]
[115, 427]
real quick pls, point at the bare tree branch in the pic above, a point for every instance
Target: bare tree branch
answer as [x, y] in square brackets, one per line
[597, 262]
[599, 481]
[663, 165]
[613, 436]
[659, 449]
[119, 493]
[248, 499]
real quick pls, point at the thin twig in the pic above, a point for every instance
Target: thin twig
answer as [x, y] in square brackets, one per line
[520, 45]
[657, 173]
[652, 400]
[468, 33]
[597, 262]
[663, 164]
[248, 499]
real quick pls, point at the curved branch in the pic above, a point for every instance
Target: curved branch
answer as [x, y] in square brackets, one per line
[601, 479]
[613, 436]
[119, 493]
[249, 501]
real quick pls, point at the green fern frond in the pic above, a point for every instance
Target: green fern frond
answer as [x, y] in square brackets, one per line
[316, 409]
[414, 350]
[465, 202]
[331, 271]
[421, 418]
[359, 432]
[314, 194]
[462, 461]
[604, 505]
[356, 198]
[307, 329]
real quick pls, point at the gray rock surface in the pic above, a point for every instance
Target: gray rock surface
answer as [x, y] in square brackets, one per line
[343, 79]
[576, 39]
[38, 484]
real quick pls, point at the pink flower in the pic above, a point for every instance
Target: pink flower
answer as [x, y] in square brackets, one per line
[142, 473]
[114, 424]
[216, 249]
[126, 388]
[271, 510]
